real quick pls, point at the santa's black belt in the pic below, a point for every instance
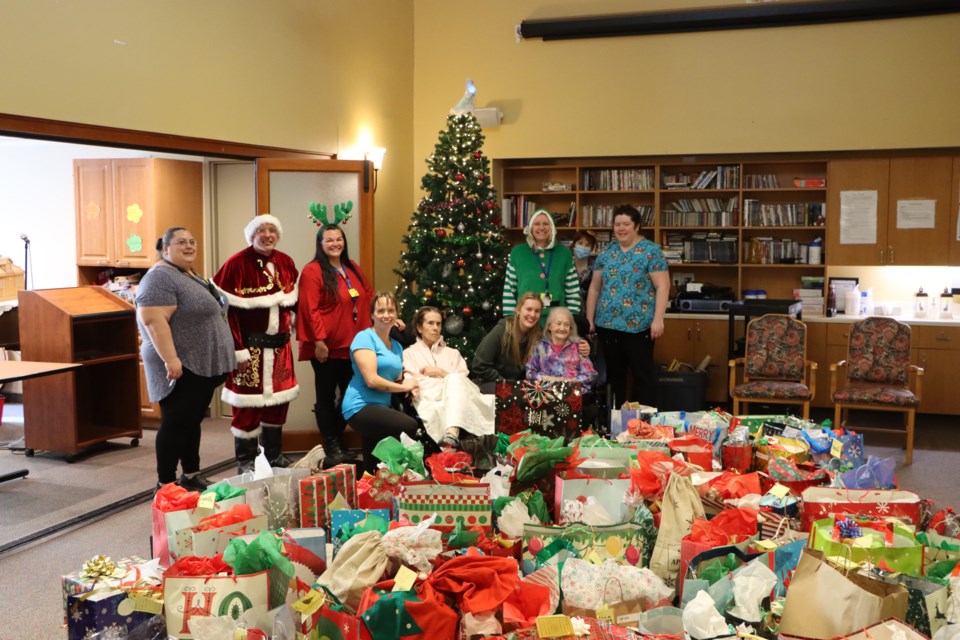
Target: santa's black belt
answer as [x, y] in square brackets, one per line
[265, 340]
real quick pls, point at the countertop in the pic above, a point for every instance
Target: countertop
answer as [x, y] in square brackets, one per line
[839, 319]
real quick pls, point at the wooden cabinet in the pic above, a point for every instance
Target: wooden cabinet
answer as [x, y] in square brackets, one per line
[896, 181]
[817, 351]
[953, 240]
[98, 401]
[123, 206]
[690, 341]
[939, 352]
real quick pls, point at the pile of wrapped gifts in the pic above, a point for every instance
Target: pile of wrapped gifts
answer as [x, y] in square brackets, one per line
[678, 525]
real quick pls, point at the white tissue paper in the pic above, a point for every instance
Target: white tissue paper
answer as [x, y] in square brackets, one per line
[701, 619]
[751, 585]
[499, 480]
[514, 516]
[588, 512]
[482, 624]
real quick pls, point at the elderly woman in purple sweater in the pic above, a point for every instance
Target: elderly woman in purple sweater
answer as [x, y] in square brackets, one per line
[556, 357]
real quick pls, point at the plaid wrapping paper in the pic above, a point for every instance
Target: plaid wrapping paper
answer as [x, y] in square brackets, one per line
[546, 408]
[317, 491]
[468, 504]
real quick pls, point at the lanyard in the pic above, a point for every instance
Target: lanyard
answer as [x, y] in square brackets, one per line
[353, 293]
[199, 280]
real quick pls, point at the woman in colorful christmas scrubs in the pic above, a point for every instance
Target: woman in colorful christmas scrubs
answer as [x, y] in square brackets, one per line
[187, 353]
[334, 299]
[447, 400]
[377, 373]
[555, 357]
[543, 266]
[261, 286]
[626, 304]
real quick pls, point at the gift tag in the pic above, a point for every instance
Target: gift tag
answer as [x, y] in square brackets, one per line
[843, 563]
[594, 557]
[836, 449]
[310, 603]
[404, 579]
[765, 545]
[605, 613]
[207, 500]
[555, 626]
[126, 607]
[779, 491]
[146, 604]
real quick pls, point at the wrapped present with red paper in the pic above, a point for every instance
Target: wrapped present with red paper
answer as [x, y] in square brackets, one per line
[822, 502]
[795, 477]
[336, 487]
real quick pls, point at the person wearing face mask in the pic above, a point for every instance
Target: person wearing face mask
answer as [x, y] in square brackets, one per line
[260, 284]
[377, 374]
[543, 266]
[626, 304]
[447, 400]
[584, 243]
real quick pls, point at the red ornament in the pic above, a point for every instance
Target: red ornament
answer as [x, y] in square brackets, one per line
[441, 233]
[488, 267]
[477, 155]
[459, 177]
[488, 205]
[467, 311]
[461, 263]
[480, 176]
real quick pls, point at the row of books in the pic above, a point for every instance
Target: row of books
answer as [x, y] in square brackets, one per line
[785, 214]
[702, 204]
[761, 181]
[700, 218]
[701, 247]
[618, 180]
[762, 250]
[602, 215]
[723, 177]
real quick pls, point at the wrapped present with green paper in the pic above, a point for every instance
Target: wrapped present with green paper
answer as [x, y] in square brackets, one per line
[545, 545]
[883, 543]
[755, 423]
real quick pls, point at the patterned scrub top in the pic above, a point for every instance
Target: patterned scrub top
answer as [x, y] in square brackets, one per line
[628, 298]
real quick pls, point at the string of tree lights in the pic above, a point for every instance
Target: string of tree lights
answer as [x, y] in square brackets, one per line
[455, 254]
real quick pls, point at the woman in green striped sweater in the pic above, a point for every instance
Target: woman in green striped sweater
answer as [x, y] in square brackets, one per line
[541, 265]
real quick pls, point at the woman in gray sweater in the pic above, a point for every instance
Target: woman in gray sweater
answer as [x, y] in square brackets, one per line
[187, 352]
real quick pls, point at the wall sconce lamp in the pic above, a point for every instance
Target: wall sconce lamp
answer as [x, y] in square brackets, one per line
[375, 155]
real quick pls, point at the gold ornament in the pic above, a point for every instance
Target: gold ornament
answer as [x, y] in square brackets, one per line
[428, 294]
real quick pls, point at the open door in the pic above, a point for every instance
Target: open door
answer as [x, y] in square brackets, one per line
[285, 189]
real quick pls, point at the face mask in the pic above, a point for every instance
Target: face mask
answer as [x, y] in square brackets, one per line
[581, 252]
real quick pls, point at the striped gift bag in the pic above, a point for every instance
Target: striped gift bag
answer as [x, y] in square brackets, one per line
[465, 503]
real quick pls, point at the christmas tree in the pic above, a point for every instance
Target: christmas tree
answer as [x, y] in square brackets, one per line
[456, 255]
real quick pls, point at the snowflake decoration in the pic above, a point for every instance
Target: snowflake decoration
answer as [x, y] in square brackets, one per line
[538, 393]
[77, 615]
[883, 507]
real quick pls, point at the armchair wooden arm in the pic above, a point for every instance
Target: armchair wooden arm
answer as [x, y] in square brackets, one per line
[917, 379]
[812, 379]
[833, 376]
[732, 378]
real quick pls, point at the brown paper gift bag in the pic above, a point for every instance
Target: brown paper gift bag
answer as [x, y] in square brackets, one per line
[824, 601]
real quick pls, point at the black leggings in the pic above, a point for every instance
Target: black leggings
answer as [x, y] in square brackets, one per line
[633, 351]
[374, 423]
[329, 379]
[181, 412]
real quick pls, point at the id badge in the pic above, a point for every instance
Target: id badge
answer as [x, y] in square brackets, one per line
[546, 299]
[353, 293]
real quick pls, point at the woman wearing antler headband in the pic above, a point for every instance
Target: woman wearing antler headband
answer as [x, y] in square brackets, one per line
[334, 301]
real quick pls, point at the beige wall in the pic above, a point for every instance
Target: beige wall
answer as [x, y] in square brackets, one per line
[862, 85]
[317, 75]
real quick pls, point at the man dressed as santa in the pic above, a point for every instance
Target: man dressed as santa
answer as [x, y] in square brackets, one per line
[260, 284]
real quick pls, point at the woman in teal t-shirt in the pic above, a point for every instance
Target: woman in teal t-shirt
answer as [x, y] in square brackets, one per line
[626, 303]
[377, 374]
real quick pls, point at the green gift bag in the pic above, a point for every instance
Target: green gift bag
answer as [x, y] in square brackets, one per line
[896, 545]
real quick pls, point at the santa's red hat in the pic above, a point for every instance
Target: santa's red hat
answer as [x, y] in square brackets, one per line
[257, 221]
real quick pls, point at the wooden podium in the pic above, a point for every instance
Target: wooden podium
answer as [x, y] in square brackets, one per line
[97, 402]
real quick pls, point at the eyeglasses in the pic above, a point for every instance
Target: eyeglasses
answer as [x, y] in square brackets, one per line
[181, 242]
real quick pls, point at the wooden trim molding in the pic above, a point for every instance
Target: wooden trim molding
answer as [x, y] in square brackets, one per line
[55, 130]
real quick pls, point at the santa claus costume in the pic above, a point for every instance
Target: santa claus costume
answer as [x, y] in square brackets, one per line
[260, 284]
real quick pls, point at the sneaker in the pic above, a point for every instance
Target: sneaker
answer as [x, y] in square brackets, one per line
[193, 483]
[449, 442]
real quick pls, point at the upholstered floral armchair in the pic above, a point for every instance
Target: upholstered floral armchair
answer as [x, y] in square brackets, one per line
[775, 365]
[876, 376]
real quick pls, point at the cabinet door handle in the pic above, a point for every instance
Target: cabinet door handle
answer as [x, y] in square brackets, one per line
[123, 263]
[699, 332]
[881, 256]
[689, 334]
[942, 337]
[103, 262]
[923, 360]
[892, 260]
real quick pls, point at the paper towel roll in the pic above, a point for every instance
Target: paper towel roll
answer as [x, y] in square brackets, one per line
[851, 303]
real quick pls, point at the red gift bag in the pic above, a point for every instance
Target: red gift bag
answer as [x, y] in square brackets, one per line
[820, 502]
[695, 450]
[737, 457]
[547, 408]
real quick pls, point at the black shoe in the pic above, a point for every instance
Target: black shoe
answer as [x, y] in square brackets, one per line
[449, 443]
[193, 483]
[271, 439]
[246, 450]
